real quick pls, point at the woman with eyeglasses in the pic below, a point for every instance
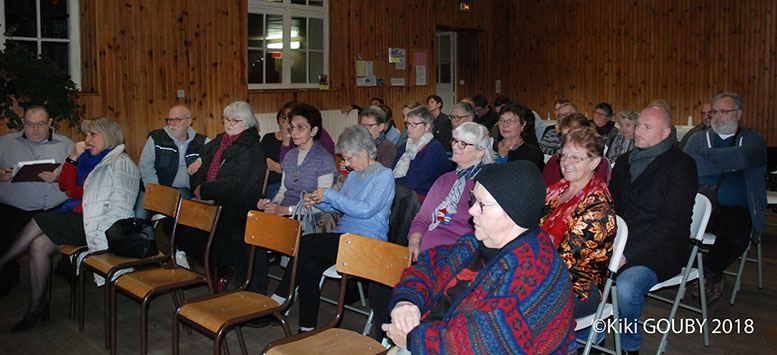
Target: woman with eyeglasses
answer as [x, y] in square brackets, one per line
[422, 159]
[503, 289]
[579, 218]
[231, 175]
[376, 121]
[512, 120]
[443, 216]
[552, 172]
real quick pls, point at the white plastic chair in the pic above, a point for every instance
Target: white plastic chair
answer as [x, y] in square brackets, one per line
[333, 274]
[547, 157]
[701, 216]
[605, 309]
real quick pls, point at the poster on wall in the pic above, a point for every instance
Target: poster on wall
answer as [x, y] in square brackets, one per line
[397, 56]
[420, 75]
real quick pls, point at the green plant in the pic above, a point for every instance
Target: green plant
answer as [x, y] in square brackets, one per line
[27, 79]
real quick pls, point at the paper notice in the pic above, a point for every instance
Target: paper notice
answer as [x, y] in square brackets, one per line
[419, 58]
[368, 69]
[360, 68]
[397, 81]
[420, 75]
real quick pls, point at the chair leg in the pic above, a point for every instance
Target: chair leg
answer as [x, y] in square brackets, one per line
[738, 282]
[144, 324]
[680, 293]
[175, 333]
[112, 326]
[107, 314]
[703, 299]
[368, 324]
[616, 315]
[73, 283]
[241, 340]
[361, 293]
[760, 266]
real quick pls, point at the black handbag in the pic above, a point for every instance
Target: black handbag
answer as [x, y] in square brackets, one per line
[132, 238]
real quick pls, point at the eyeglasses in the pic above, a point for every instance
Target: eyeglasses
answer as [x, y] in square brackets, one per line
[348, 159]
[370, 125]
[413, 124]
[230, 121]
[461, 144]
[574, 158]
[600, 114]
[510, 122]
[562, 115]
[176, 120]
[298, 127]
[705, 113]
[721, 112]
[457, 118]
[38, 125]
[481, 204]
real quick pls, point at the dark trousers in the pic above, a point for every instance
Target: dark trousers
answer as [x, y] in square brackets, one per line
[14, 220]
[317, 252]
[241, 253]
[380, 297]
[732, 229]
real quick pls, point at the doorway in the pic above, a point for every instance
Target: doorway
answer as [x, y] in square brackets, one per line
[445, 68]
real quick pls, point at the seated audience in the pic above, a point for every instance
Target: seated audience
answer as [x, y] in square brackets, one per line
[102, 186]
[271, 145]
[365, 201]
[732, 158]
[580, 219]
[552, 172]
[405, 110]
[485, 114]
[604, 127]
[443, 216]
[706, 118]
[502, 290]
[422, 159]
[170, 155]
[20, 201]
[324, 138]
[442, 128]
[623, 142]
[231, 175]
[551, 139]
[512, 120]
[654, 189]
[376, 122]
[461, 112]
[392, 133]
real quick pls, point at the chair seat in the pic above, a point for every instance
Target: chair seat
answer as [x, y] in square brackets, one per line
[709, 239]
[345, 341]
[105, 262]
[587, 321]
[213, 313]
[142, 282]
[693, 275]
[332, 273]
[71, 249]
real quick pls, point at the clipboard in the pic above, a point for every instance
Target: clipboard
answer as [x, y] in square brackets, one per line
[29, 172]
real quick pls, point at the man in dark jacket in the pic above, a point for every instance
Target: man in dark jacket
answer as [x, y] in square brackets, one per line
[654, 187]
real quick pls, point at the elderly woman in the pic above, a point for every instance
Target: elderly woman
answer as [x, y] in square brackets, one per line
[461, 112]
[405, 110]
[502, 290]
[101, 185]
[552, 172]
[512, 120]
[579, 217]
[365, 201]
[422, 159]
[442, 218]
[271, 145]
[231, 175]
[623, 142]
[376, 122]
[604, 127]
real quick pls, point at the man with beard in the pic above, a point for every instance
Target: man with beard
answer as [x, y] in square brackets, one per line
[733, 158]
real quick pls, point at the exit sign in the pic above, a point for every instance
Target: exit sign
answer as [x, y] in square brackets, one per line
[465, 6]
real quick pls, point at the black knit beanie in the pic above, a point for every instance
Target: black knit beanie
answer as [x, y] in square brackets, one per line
[518, 188]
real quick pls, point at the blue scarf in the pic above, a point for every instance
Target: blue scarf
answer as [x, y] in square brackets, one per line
[86, 163]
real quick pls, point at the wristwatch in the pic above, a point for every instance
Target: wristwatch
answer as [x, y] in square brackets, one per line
[71, 161]
[291, 210]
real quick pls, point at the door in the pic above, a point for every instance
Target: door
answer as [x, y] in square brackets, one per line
[445, 67]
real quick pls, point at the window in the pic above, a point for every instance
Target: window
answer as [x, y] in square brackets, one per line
[45, 27]
[288, 43]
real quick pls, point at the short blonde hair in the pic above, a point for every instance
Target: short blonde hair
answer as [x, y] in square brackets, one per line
[108, 127]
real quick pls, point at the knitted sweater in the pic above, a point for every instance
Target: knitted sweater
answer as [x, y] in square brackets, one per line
[519, 302]
[365, 201]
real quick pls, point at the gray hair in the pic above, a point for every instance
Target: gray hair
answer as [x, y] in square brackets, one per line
[630, 115]
[108, 127]
[466, 107]
[374, 112]
[354, 139]
[738, 103]
[243, 110]
[423, 113]
[477, 134]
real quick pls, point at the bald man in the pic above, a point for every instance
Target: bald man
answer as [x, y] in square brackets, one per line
[170, 155]
[654, 188]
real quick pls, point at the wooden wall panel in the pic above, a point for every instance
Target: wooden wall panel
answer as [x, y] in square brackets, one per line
[629, 53]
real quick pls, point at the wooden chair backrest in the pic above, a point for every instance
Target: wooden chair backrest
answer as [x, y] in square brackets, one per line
[264, 184]
[198, 215]
[273, 232]
[372, 259]
[161, 199]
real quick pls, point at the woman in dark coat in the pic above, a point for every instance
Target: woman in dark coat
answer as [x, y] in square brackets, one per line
[513, 119]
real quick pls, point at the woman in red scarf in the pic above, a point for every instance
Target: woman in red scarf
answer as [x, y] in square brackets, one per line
[579, 217]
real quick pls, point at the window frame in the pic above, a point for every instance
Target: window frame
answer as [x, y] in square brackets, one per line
[288, 10]
[74, 37]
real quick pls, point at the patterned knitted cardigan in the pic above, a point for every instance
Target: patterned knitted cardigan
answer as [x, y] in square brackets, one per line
[520, 302]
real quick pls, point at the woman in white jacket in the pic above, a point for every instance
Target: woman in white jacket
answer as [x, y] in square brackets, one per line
[101, 186]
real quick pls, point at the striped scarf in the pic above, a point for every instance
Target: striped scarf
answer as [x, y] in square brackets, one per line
[445, 211]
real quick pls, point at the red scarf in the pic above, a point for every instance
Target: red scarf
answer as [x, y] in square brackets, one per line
[556, 223]
[215, 164]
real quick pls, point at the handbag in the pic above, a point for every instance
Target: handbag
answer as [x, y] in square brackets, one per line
[304, 215]
[132, 238]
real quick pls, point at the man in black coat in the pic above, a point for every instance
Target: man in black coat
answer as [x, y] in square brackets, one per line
[654, 189]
